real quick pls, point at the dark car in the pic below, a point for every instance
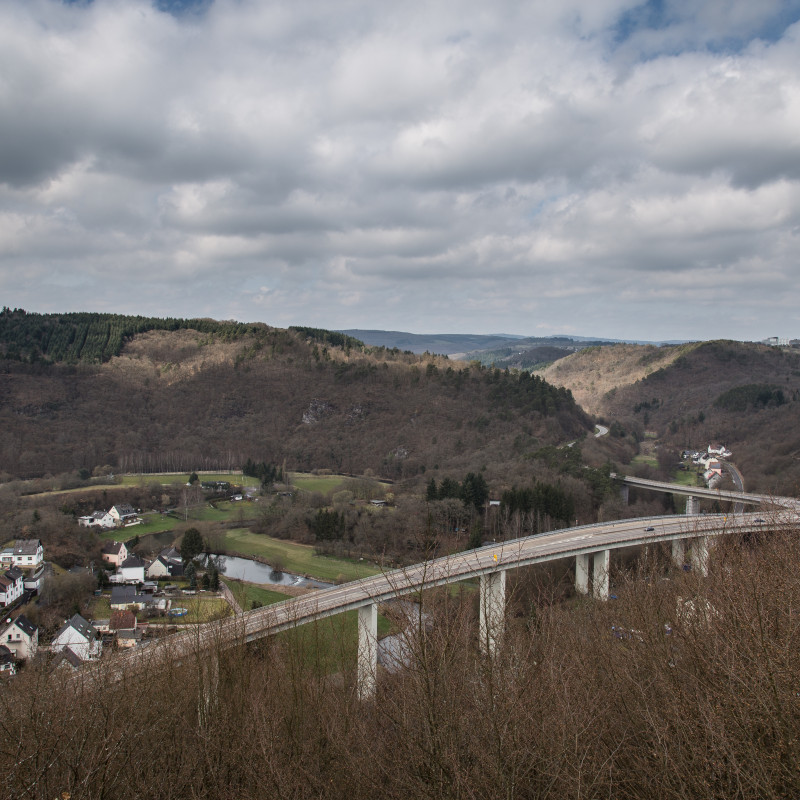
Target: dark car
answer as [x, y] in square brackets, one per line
[649, 528]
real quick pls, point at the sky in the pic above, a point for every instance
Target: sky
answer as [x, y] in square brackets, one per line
[604, 168]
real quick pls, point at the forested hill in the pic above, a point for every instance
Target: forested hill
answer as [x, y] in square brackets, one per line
[89, 337]
[210, 396]
[744, 395]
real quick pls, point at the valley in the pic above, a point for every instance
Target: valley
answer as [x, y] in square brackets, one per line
[362, 458]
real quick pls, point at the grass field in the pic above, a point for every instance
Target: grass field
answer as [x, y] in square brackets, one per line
[297, 558]
[101, 608]
[95, 487]
[201, 609]
[688, 477]
[245, 593]
[651, 461]
[158, 523]
[143, 478]
[153, 523]
[223, 511]
[329, 645]
[326, 646]
[317, 483]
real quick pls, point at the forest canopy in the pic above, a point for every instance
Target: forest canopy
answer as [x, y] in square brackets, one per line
[89, 337]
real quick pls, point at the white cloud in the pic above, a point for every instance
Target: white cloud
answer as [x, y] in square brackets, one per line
[600, 167]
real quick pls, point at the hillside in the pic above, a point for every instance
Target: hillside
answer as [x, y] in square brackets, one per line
[189, 399]
[745, 395]
[595, 374]
[441, 343]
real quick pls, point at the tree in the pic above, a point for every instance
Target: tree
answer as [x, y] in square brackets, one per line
[432, 492]
[475, 535]
[191, 545]
[213, 578]
[191, 573]
[193, 478]
[474, 491]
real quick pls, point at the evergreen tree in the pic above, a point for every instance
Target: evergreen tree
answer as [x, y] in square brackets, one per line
[191, 545]
[191, 573]
[432, 492]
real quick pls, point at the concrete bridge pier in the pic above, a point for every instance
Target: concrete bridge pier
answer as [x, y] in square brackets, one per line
[678, 552]
[582, 573]
[625, 493]
[691, 505]
[367, 673]
[492, 611]
[601, 561]
[699, 554]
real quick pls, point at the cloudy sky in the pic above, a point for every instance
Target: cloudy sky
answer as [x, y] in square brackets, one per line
[596, 167]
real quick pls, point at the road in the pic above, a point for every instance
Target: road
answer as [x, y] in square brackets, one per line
[380, 588]
[738, 482]
[750, 498]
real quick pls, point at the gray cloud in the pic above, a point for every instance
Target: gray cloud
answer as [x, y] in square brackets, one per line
[605, 167]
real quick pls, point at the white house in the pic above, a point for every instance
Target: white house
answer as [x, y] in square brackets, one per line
[25, 553]
[20, 636]
[34, 579]
[116, 517]
[80, 637]
[11, 586]
[94, 520]
[131, 570]
[114, 553]
[123, 514]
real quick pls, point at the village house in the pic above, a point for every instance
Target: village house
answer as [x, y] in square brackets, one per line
[79, 637]
[126, 597]
[33, 580]
[68, 659]
[11, 586]
[168, 564]
[719, 450]
[129, 638]
[114, 553]
[132, 570]
[93, 520]
[122, 620]
[123, 514]
[117, 516]
[25, 553]
[20, 636]
[123, 625]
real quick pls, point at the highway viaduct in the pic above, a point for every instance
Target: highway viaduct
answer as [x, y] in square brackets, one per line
[590, 546]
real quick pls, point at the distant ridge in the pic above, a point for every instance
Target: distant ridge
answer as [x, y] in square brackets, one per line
[472, 344]
[441, 343]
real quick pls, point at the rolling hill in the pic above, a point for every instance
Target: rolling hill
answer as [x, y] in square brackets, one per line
[742, 394]
[175, 397]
